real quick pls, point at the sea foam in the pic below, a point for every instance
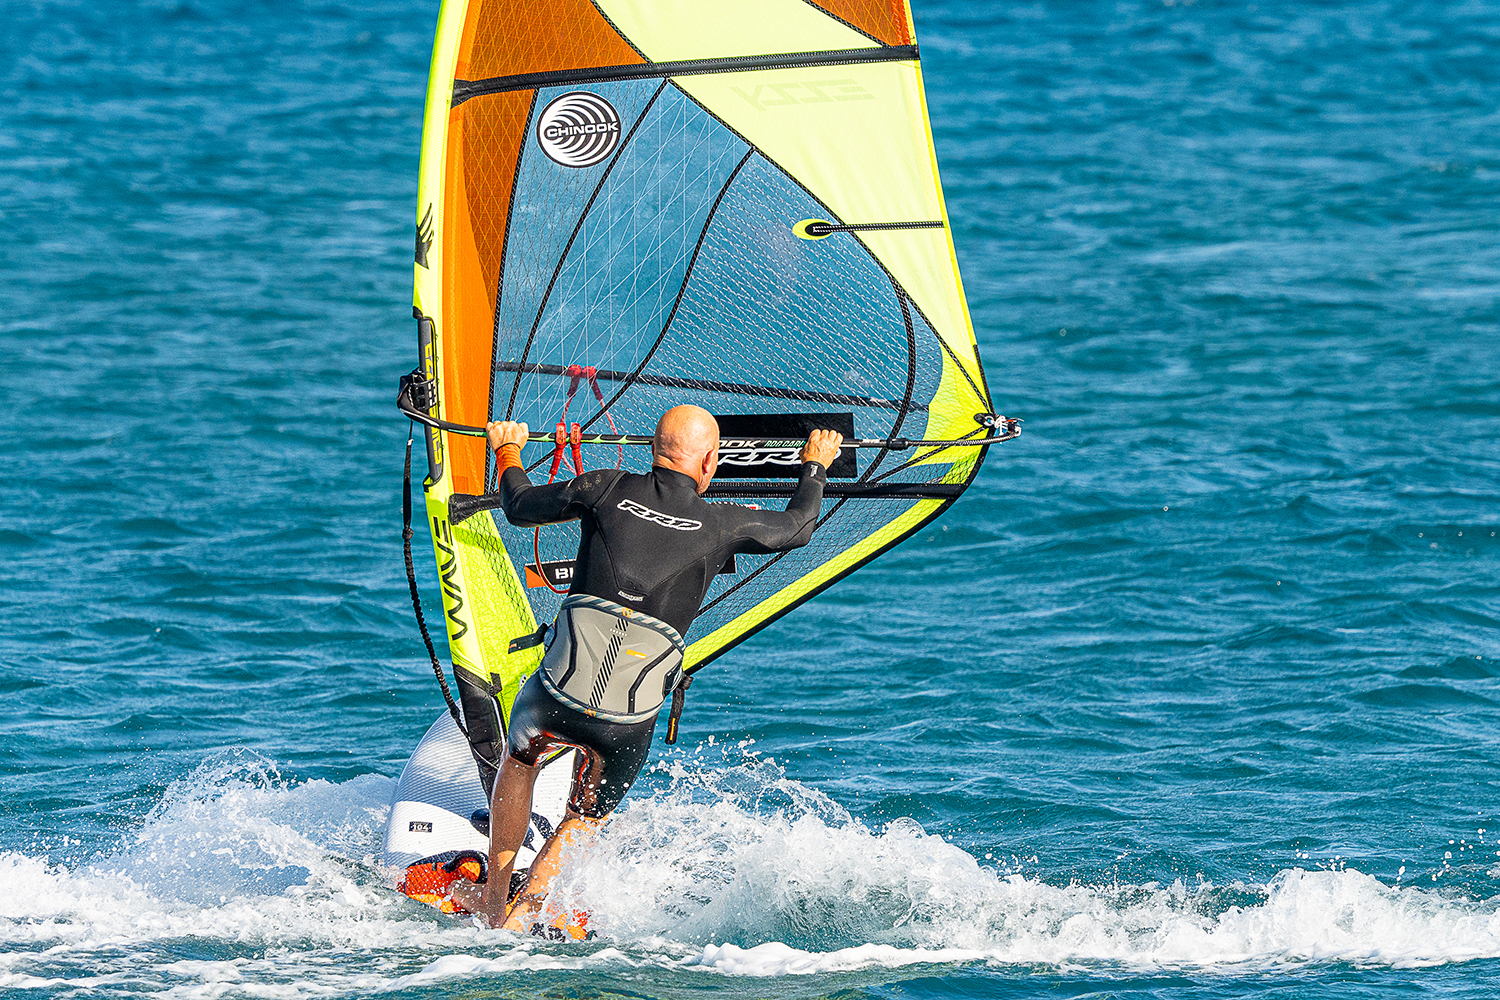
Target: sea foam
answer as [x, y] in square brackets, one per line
[241, 883]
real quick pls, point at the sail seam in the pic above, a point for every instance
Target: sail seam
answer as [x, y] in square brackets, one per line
[922, 456]
[616, 29]
[911, 380]
[763, 567]
[814, 592]
[464, 90]
[853, 490]
[844, 21]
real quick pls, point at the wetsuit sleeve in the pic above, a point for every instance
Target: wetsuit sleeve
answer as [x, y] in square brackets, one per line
[527, 505]
[763, 531]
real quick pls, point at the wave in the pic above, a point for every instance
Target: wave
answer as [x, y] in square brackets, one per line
[242, 882]
[802, 887]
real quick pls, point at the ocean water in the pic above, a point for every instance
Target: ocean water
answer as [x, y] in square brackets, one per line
[1193, 695]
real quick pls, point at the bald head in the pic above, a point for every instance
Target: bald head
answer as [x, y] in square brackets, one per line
[687, 441]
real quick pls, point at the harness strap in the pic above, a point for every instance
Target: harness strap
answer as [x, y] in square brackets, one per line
[560, 441]
[576, 375]
[559, 438]
[528, 641]
[679, 694]
[416, 598]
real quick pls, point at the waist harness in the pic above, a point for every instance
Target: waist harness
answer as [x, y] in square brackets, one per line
[611, 662]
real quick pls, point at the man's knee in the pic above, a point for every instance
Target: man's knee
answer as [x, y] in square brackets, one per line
[513, 762]
[517, 779]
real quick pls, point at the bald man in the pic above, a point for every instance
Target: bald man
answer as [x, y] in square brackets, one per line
[649, 549]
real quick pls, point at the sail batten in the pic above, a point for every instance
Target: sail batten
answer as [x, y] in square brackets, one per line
[464, 90]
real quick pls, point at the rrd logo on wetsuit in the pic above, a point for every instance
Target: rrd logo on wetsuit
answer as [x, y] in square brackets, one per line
[657, 517]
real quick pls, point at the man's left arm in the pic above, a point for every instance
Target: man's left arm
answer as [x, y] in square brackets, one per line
[526, 504]
[782, 531]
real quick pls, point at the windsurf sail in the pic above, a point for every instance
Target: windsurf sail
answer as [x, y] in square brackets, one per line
[627, 205]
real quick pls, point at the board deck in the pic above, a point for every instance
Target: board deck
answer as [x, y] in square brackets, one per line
[438, 794]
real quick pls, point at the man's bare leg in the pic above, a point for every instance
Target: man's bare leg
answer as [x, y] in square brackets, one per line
[573, 831]
[510, 813]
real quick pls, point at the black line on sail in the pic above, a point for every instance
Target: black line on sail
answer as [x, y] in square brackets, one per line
[464, 90]
[687, 276]
[874, 489]
[783, 612]
[777, 558]
[928, 453]
[911, 382]
[462, 506]
[823, 206]
[903, 297]
[979, 389]
[967, 377]
[577, 228]
[864, 487]
[510, 212]
[828, 210]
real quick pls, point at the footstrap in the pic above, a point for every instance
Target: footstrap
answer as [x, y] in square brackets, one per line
[430, 880]
[462, 864]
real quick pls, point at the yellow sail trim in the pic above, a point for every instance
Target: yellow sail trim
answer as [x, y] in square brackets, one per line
[498, 609]
[668, 30]
[483, 602]
[427, 285]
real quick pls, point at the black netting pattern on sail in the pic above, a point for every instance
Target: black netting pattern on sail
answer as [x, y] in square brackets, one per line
[671, 270]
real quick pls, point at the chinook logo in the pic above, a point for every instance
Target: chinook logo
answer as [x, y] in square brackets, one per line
[657, 517]
[578, 129]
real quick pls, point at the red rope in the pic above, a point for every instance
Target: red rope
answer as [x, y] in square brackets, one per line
[560, 440]
[564, 436]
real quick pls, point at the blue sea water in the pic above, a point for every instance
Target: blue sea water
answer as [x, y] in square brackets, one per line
[1193, 695]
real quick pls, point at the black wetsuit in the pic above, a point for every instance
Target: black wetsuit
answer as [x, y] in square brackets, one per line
[651, 544]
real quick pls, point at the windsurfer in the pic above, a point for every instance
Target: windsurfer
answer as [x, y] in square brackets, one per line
[650, 547]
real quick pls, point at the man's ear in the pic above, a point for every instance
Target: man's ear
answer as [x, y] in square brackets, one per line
[706, 470]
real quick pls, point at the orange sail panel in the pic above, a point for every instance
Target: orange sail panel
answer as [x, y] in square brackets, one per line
[883, 20]
[510, 37]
